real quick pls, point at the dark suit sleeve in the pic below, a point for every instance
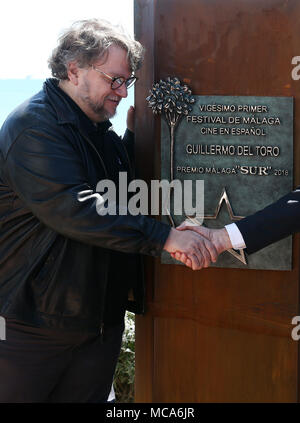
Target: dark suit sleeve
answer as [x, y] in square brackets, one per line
[273, 223]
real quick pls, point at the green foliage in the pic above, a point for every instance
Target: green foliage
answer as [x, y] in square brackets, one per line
[125, 371]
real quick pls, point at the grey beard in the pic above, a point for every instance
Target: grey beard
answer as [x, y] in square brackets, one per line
[99, 110]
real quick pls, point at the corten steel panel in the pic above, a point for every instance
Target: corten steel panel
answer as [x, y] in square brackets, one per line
[217, 334]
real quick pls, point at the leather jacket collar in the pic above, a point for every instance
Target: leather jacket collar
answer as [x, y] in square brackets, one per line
[68, 111]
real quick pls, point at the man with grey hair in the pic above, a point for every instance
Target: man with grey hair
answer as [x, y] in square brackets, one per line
[68, 274]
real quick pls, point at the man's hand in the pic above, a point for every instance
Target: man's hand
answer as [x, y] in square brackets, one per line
[218, 237]
[198, 251]
[130, 118]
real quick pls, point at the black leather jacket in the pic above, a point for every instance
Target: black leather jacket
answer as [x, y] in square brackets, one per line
[54, 249]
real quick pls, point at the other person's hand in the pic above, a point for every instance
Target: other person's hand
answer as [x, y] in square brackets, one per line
[196, 250]
[218, 237]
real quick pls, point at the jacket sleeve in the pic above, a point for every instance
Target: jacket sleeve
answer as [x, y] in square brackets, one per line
[272, 223]
[47, 175]
[128, 141]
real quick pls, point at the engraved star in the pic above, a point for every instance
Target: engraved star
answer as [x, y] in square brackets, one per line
[224, 197]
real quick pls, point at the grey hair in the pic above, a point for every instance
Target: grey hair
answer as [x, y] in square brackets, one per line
[87, 41]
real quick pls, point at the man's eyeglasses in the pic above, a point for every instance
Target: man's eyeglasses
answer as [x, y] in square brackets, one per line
[118, 81]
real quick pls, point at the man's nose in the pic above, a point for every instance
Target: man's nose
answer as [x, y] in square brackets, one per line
[122, 91]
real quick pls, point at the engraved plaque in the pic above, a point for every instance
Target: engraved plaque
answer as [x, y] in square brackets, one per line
[242, 148]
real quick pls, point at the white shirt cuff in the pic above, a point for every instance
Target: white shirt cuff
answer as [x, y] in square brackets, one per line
[235, 236]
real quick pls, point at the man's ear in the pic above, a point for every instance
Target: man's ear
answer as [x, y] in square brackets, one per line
[73, 71]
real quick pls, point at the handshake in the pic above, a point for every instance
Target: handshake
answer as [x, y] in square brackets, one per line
[197, 246]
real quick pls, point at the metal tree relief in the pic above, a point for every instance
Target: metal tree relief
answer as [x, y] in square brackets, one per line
[173, 101]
